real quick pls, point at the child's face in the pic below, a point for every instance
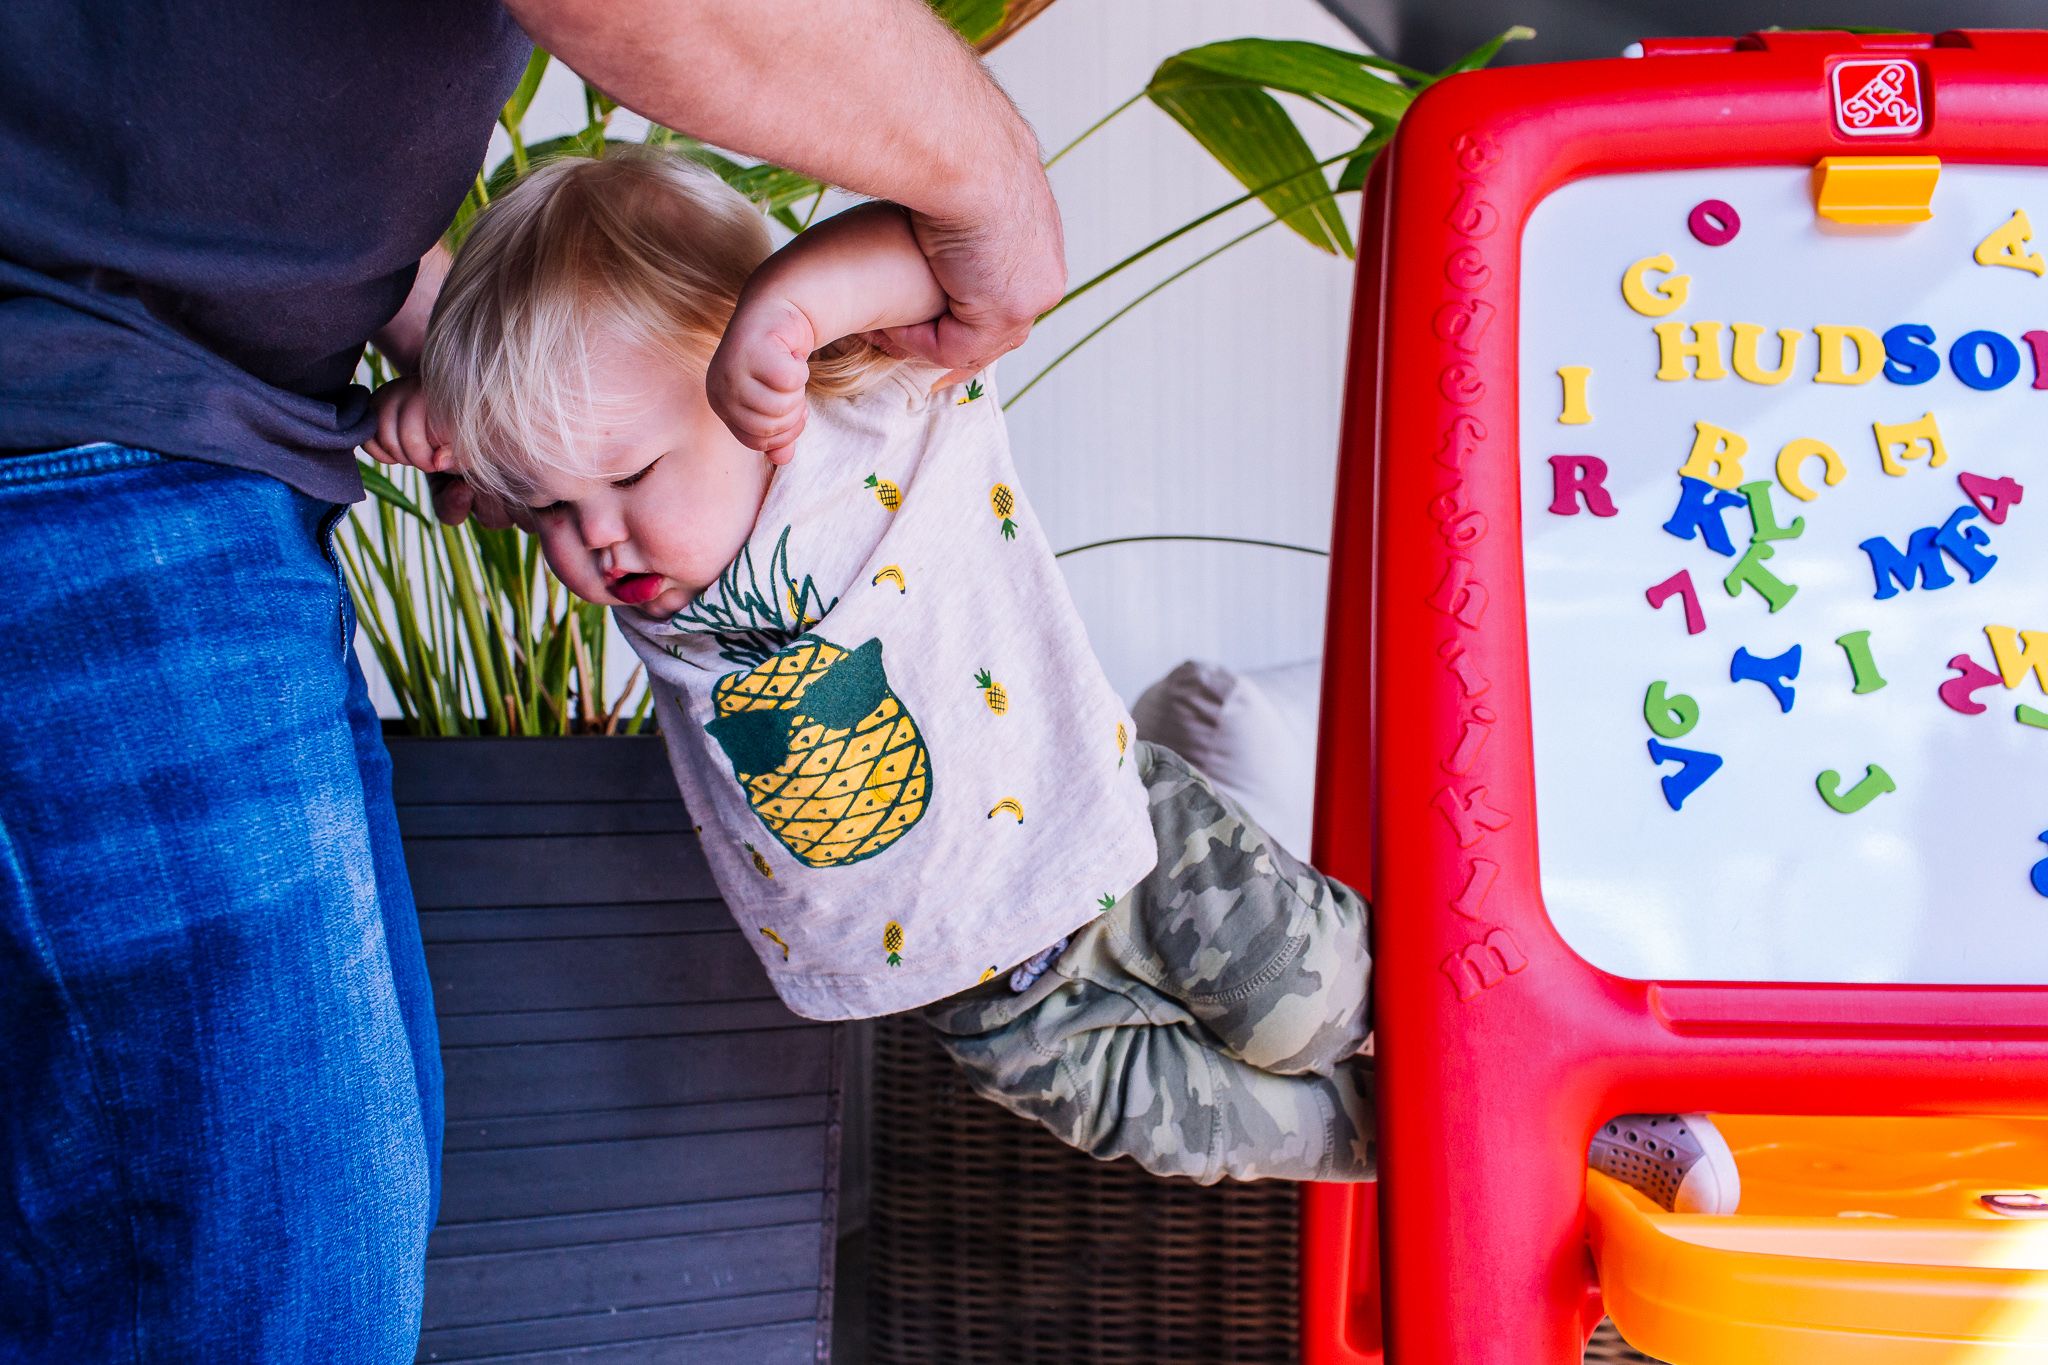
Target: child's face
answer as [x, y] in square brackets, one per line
[674, 500]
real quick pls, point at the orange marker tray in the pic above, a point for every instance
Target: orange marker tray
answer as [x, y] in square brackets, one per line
[1858, 1240]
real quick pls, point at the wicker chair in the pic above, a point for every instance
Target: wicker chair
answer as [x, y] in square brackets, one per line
[990, 1242]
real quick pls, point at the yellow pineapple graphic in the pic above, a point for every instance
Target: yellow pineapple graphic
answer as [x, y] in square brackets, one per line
[1123, 738]
[892, 942]
[973, 392]
[828, 756]
[826, 752]
[761, 865]
[774, 937]
[889, 573]
[992, 692]
[1002, 501]
[886, 493]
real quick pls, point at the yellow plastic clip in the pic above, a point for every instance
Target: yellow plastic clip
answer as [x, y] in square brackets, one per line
[1876, 189]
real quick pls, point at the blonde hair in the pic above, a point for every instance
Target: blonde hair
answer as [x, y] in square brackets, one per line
[641, 248]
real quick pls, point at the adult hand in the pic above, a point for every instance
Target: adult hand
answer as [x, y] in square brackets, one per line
[914, 119]
[1000, 270]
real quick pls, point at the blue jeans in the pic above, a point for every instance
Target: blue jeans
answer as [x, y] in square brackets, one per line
[220, 1085]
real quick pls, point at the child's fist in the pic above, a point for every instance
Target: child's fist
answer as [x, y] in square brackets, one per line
[756, 379]
[405, 429]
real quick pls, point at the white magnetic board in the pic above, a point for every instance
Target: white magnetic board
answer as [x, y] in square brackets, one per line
[1756, 876]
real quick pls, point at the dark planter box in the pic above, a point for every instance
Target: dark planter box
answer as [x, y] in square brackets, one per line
[642, 1141]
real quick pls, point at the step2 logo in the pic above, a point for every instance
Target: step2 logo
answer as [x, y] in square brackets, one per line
[1878, 98]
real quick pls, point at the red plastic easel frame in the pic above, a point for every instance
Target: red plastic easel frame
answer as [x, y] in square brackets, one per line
[1487, 1102]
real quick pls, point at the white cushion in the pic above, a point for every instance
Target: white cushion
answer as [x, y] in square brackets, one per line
[1253, 734]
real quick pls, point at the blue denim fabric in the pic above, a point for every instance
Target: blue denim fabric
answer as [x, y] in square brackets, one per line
[220, 1083]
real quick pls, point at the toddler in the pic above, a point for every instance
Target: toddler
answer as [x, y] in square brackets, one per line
[917, 790]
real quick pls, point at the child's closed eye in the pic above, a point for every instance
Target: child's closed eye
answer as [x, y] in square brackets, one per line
[632, 479]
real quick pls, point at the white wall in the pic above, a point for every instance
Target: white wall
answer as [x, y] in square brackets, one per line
[1212, 408]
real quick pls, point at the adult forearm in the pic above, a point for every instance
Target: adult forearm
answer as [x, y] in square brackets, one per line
[877, 96]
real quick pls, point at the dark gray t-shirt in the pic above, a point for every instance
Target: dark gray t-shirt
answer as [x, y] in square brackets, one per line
[207, 206]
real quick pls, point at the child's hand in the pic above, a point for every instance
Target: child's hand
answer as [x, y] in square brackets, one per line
[405, 429]
[756, 379]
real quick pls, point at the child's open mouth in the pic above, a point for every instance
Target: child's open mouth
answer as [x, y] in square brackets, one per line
[636, 588]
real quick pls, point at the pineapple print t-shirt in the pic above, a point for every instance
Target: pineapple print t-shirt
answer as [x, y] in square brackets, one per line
[908, 769]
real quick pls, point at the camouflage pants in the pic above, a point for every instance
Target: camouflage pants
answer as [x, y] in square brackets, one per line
[1207, 1025]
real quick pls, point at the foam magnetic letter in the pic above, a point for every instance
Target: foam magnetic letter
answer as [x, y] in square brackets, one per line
[1964, 543]
[1776, 674]
[1876, 782]
[1921, 557]
[1762, 520]
[1574, 475]
[1669, 717]
[1909, 359]
[1683, 783]
[1716, 456]
[1574, 377]
[1795, 454]
[2005, 360]
[1956, 694]
[1906, 436]
[1680, 584]
[1700, 506]
[1704, 350]
[1747, 334]
[1654, 301]
[1870, 356]
[2004, 246]
[1862, 664]
[2001, 495]
[2038, 342]
[2019, 652]
[1750, 569]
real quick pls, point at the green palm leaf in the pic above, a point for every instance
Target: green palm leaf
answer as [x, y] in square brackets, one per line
[1486, 52]
[1247, 131]
[1312, 70]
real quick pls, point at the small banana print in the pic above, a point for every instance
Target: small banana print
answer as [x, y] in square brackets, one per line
[889, 573]
[1007, 806]
[777, 940]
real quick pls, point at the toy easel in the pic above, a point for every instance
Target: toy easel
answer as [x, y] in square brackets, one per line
[1500, 1048]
